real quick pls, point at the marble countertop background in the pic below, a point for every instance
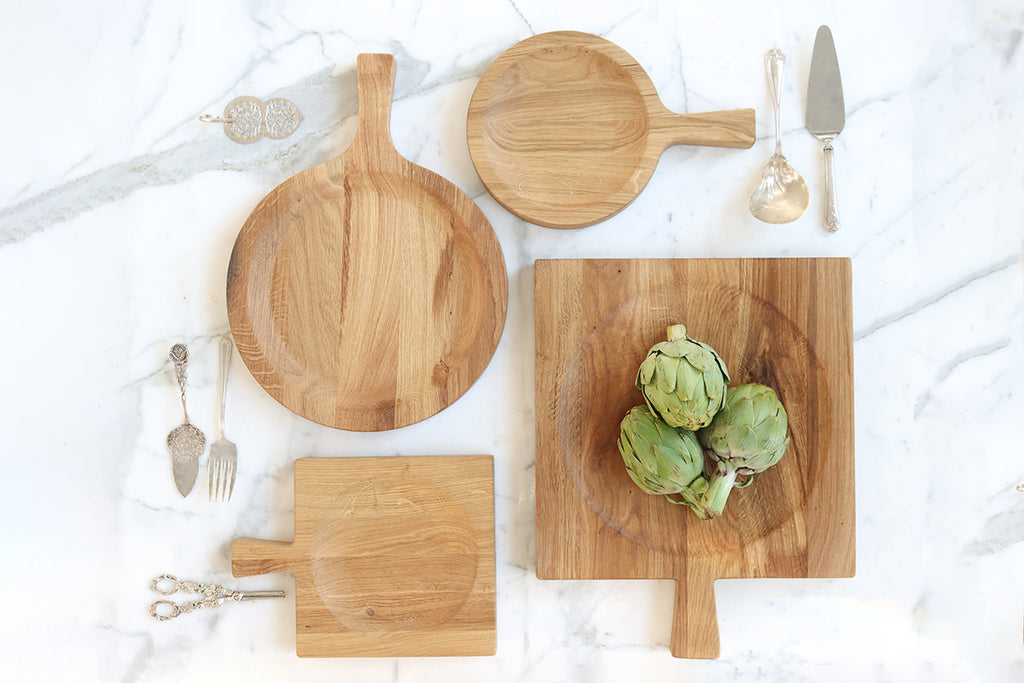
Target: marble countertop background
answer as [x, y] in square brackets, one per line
[118, 210]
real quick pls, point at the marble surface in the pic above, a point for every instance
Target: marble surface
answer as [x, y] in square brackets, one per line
[118, 210]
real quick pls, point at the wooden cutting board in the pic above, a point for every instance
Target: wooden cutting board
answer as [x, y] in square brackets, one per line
[785, 323]
[565, 129]
[367, 293]
[392, 557]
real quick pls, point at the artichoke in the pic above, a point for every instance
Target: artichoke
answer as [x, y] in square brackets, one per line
[662, 460]
[747, 436]
[683, 381]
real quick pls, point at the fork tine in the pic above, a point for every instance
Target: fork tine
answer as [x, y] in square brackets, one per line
[220, 480]
[211, 466]
[224, 474]
[215, 477]
[232, 469]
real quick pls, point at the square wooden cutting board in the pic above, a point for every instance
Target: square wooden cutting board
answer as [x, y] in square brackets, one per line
[785, 323]
[392, 557]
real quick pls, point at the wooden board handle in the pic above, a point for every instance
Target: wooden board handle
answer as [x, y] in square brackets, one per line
[731, 128]
[376, 77]
[254, 556]
[695, 620]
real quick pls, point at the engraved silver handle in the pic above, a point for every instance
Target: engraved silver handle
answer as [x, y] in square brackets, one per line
[179, 357]
[775, 66]
[831, 203]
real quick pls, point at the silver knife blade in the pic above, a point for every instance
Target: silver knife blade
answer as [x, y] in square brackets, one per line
[826, 111]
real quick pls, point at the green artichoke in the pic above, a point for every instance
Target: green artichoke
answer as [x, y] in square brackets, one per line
[747, 436]
[683, 381]
[662, 460]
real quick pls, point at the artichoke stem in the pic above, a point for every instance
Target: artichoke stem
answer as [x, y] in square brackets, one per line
[713, 500]
[676, 332]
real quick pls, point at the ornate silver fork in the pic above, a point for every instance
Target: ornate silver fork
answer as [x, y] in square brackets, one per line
[223, 461]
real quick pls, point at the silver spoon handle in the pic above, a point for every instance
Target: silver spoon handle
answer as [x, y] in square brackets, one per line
[226, 348]
[775, 66]
[831, 203]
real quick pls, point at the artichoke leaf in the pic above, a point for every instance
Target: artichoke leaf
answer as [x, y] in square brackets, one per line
[665, 376]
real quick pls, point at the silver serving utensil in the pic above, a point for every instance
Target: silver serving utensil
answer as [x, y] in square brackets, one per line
[826, 113]
[223, 460]
[213, 596]
[185, 442]
[782, 195]
[247, 119]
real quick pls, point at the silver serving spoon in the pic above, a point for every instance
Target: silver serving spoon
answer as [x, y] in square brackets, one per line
[185, 442]
[782, 196]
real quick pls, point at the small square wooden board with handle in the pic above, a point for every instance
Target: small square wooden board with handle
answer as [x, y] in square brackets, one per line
[392, 557]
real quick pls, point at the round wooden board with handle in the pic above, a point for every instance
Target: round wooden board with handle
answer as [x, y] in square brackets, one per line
[565, 129]
[367, 293]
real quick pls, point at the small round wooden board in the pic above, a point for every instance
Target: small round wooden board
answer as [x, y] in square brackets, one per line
[367, 293]
[565, 129]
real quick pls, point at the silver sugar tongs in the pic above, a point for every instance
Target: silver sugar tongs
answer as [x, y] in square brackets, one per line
[213, 596]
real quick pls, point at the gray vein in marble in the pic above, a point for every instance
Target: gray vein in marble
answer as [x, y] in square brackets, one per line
[415, 12]
[256, 62]
[515, 564]
[327, 100]
[1014, 43]
[137, 667]
[999, 533]
[257, 514]
[940, 190]
[881, 98]
[188, 514]
[946, 370]
[920, 305]
[523, 17]
[162, 89]
[682, 75]
[85, 158]
[252, 65]
[142, 380]
[143, 23]
[323, 48]
[930, 74]
[166, 367]
[115, 182]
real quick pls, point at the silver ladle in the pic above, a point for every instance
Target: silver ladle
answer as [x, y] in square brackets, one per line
[782, 195]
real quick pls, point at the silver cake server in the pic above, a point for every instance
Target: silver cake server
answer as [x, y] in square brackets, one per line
[826, 113]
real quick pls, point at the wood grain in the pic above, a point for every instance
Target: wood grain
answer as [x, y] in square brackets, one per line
[565, 129]
[785, 323]
[367, 293]
[392, 557]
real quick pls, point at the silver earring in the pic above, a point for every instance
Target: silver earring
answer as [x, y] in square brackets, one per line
[247, 119]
